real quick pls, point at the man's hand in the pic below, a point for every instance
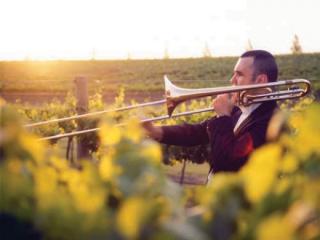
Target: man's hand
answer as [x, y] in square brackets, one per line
[223, 104]
[153, 131]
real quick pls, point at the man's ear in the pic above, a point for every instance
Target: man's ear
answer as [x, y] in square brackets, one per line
[262, 78]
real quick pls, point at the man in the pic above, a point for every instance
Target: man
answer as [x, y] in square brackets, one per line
[235, 131]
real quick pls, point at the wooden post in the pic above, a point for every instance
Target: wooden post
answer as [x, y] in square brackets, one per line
[81, 108]
[183, 171]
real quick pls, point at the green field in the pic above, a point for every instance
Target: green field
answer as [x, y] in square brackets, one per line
[140, 74]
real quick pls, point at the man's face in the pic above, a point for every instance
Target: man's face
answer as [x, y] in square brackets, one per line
[243, 72]
[242, 75]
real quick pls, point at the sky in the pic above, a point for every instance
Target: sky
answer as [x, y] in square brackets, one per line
[137, 29]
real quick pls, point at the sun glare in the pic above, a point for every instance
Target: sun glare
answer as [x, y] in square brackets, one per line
[73, 29]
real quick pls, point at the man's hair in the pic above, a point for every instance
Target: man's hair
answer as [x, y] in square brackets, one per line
[263, 63]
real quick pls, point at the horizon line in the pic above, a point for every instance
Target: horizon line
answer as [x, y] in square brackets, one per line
[139, 59]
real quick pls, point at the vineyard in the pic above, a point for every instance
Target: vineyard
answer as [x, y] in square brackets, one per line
[123, 189]
[139, 75]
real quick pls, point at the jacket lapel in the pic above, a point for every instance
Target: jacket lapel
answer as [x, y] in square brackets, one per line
[265, 110]
[247, 122]
[236, 113]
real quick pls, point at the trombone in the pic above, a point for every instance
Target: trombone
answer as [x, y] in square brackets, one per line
[247, 95]
[176, 95]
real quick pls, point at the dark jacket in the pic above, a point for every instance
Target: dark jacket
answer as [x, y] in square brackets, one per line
[229, 150]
